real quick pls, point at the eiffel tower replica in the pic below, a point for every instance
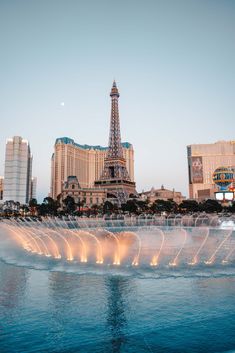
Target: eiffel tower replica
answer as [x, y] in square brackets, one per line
[115, 178]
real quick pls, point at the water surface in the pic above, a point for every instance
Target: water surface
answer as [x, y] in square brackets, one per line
[67, 309]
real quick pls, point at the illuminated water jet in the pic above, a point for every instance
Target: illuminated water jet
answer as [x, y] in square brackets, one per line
[149, 245]
[212, 258]
[194, 260]
[175, 260]
[155, 259]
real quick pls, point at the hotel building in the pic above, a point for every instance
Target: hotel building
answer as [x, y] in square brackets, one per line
[18, 171]
[203, 159]
[83, 161]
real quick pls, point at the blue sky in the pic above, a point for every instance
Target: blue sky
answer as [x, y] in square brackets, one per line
[173, 61]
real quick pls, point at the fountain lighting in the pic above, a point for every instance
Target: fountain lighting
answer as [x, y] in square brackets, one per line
[135, 262]
[117, 254]
[24, 243]
[154, 261]
[37, 236]
[193, 263]
[99, 250]
[212, 258]
[83, 255]
[175, 261]
[226, 259]
[144, 244]
[209, 262]
[196, 255]
[57, 257]
[20, 229]
[46, 233]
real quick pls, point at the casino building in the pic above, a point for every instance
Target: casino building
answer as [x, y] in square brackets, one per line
[94, 172]
[86, 162]
[203, 160]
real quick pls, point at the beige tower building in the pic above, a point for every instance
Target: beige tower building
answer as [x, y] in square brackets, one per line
[83, 161]
[203, 159]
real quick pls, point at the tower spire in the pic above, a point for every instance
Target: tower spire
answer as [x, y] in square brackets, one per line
[114, 90]
[115, 177]
[115, 147]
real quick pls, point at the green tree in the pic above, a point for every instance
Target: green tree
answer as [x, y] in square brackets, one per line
[49, 207]
[80, 204]
[109, 207]
[189, 206]
[33, 205]
[70, 204]
[131, 206]
[163, 206]
[210, 206]
[143, 205]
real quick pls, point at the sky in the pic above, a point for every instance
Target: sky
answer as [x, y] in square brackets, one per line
[173, 61]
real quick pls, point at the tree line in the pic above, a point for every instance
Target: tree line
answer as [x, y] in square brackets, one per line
[52, 207]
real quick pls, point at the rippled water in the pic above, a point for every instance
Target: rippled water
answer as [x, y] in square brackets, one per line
[49, 310]
[57, 306]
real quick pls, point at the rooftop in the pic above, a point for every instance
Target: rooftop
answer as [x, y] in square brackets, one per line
[69, 141]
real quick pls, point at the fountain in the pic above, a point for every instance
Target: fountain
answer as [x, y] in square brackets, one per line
[138, 241]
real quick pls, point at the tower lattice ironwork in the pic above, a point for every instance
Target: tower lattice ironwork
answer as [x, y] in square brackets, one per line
[115, 176]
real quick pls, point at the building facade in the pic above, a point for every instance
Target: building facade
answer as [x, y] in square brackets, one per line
[162, 194]
[18, 171]
[83, 161]
[83, 196]
[1, 187]
[203, 160]
[33, 191]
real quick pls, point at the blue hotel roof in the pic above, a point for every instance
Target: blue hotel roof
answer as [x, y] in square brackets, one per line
[69, 141]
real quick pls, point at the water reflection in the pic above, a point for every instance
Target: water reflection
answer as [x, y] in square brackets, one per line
[13, 282]
[117, 310]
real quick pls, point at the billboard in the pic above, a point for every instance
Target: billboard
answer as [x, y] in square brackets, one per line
[219, 196]
[197, 170]
[229, 196]
[224, 196]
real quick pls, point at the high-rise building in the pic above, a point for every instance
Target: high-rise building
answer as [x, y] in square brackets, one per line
[203, 159]
[115, 177]
[33, 191]
[18, 171]
[83, 161]
[1, 187]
